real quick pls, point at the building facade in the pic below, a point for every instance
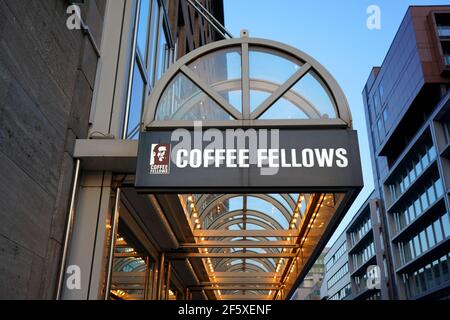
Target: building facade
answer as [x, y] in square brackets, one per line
[57, 80]
[368, 265]
[406, 103]
[336, 283]
[311, 284]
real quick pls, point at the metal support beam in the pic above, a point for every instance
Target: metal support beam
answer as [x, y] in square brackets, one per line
[231, 288]
[224, 281]
[245, 233]
[114, 229]
[244, 297]
[246, 274]
[240, 244]
[247, 255]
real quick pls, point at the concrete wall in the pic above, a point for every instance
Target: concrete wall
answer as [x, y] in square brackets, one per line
[47, 76]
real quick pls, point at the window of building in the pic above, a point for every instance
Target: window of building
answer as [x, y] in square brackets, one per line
[337, 276]
[358, 231]
[424, 278]
[377, 102]
[151, 60]
[412, 170]
[343, 293]
[380, 129]
[362, 256]
[443, 27]
[338, 254]
[425, 239]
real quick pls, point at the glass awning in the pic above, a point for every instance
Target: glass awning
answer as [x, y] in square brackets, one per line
[256, 244]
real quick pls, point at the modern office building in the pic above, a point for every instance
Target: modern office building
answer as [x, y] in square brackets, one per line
[406, 103]
[366, 250]
[336, 281]
[356, 264]
[309, 289]
[53, 81]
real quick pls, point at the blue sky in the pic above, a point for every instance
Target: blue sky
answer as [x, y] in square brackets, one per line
[337, 36]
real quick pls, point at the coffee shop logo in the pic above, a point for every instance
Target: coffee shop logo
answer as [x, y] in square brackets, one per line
[160, 159]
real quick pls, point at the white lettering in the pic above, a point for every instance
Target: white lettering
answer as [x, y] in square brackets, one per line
[231, 158]
[180, 162]
[262, 157]
[324, 157]
[243, 158]
[308, 158]
[195, 158]
[341, 154]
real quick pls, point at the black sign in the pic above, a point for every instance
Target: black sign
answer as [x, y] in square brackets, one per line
[253, 160]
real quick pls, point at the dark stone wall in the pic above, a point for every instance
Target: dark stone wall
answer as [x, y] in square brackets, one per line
[47, 75]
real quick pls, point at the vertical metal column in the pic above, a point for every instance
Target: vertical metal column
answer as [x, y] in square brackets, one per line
[69, 227]
[168, 276]
[114, 228]
[160, 276]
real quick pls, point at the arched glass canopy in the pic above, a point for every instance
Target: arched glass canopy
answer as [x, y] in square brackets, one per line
[253, 246]
[243, 81]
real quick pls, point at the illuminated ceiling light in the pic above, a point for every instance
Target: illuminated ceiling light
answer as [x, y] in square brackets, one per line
[294, 221]
[197, 221]
[292, 226]
[191, 198]
[198, 226]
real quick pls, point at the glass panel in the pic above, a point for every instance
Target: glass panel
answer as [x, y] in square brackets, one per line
[417, 246]
[424, 200]
[284, 110]
[439, 188]
[131, 267]
[264, 206]
[257, 98]
[183, 100]
[142, 35]
[313, 89]
[163, 51]
[432, 153]
[423, 241]
[136, 103]
[153, 42]
[444, 31]
[438, 231]
[268, 70]
[430, 235]
[266, 64]
[282, 200]
[446, 225]
[431, 194]
[222, 71]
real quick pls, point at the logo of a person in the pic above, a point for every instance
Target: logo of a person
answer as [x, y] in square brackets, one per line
[160, 159]
[160, 154]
